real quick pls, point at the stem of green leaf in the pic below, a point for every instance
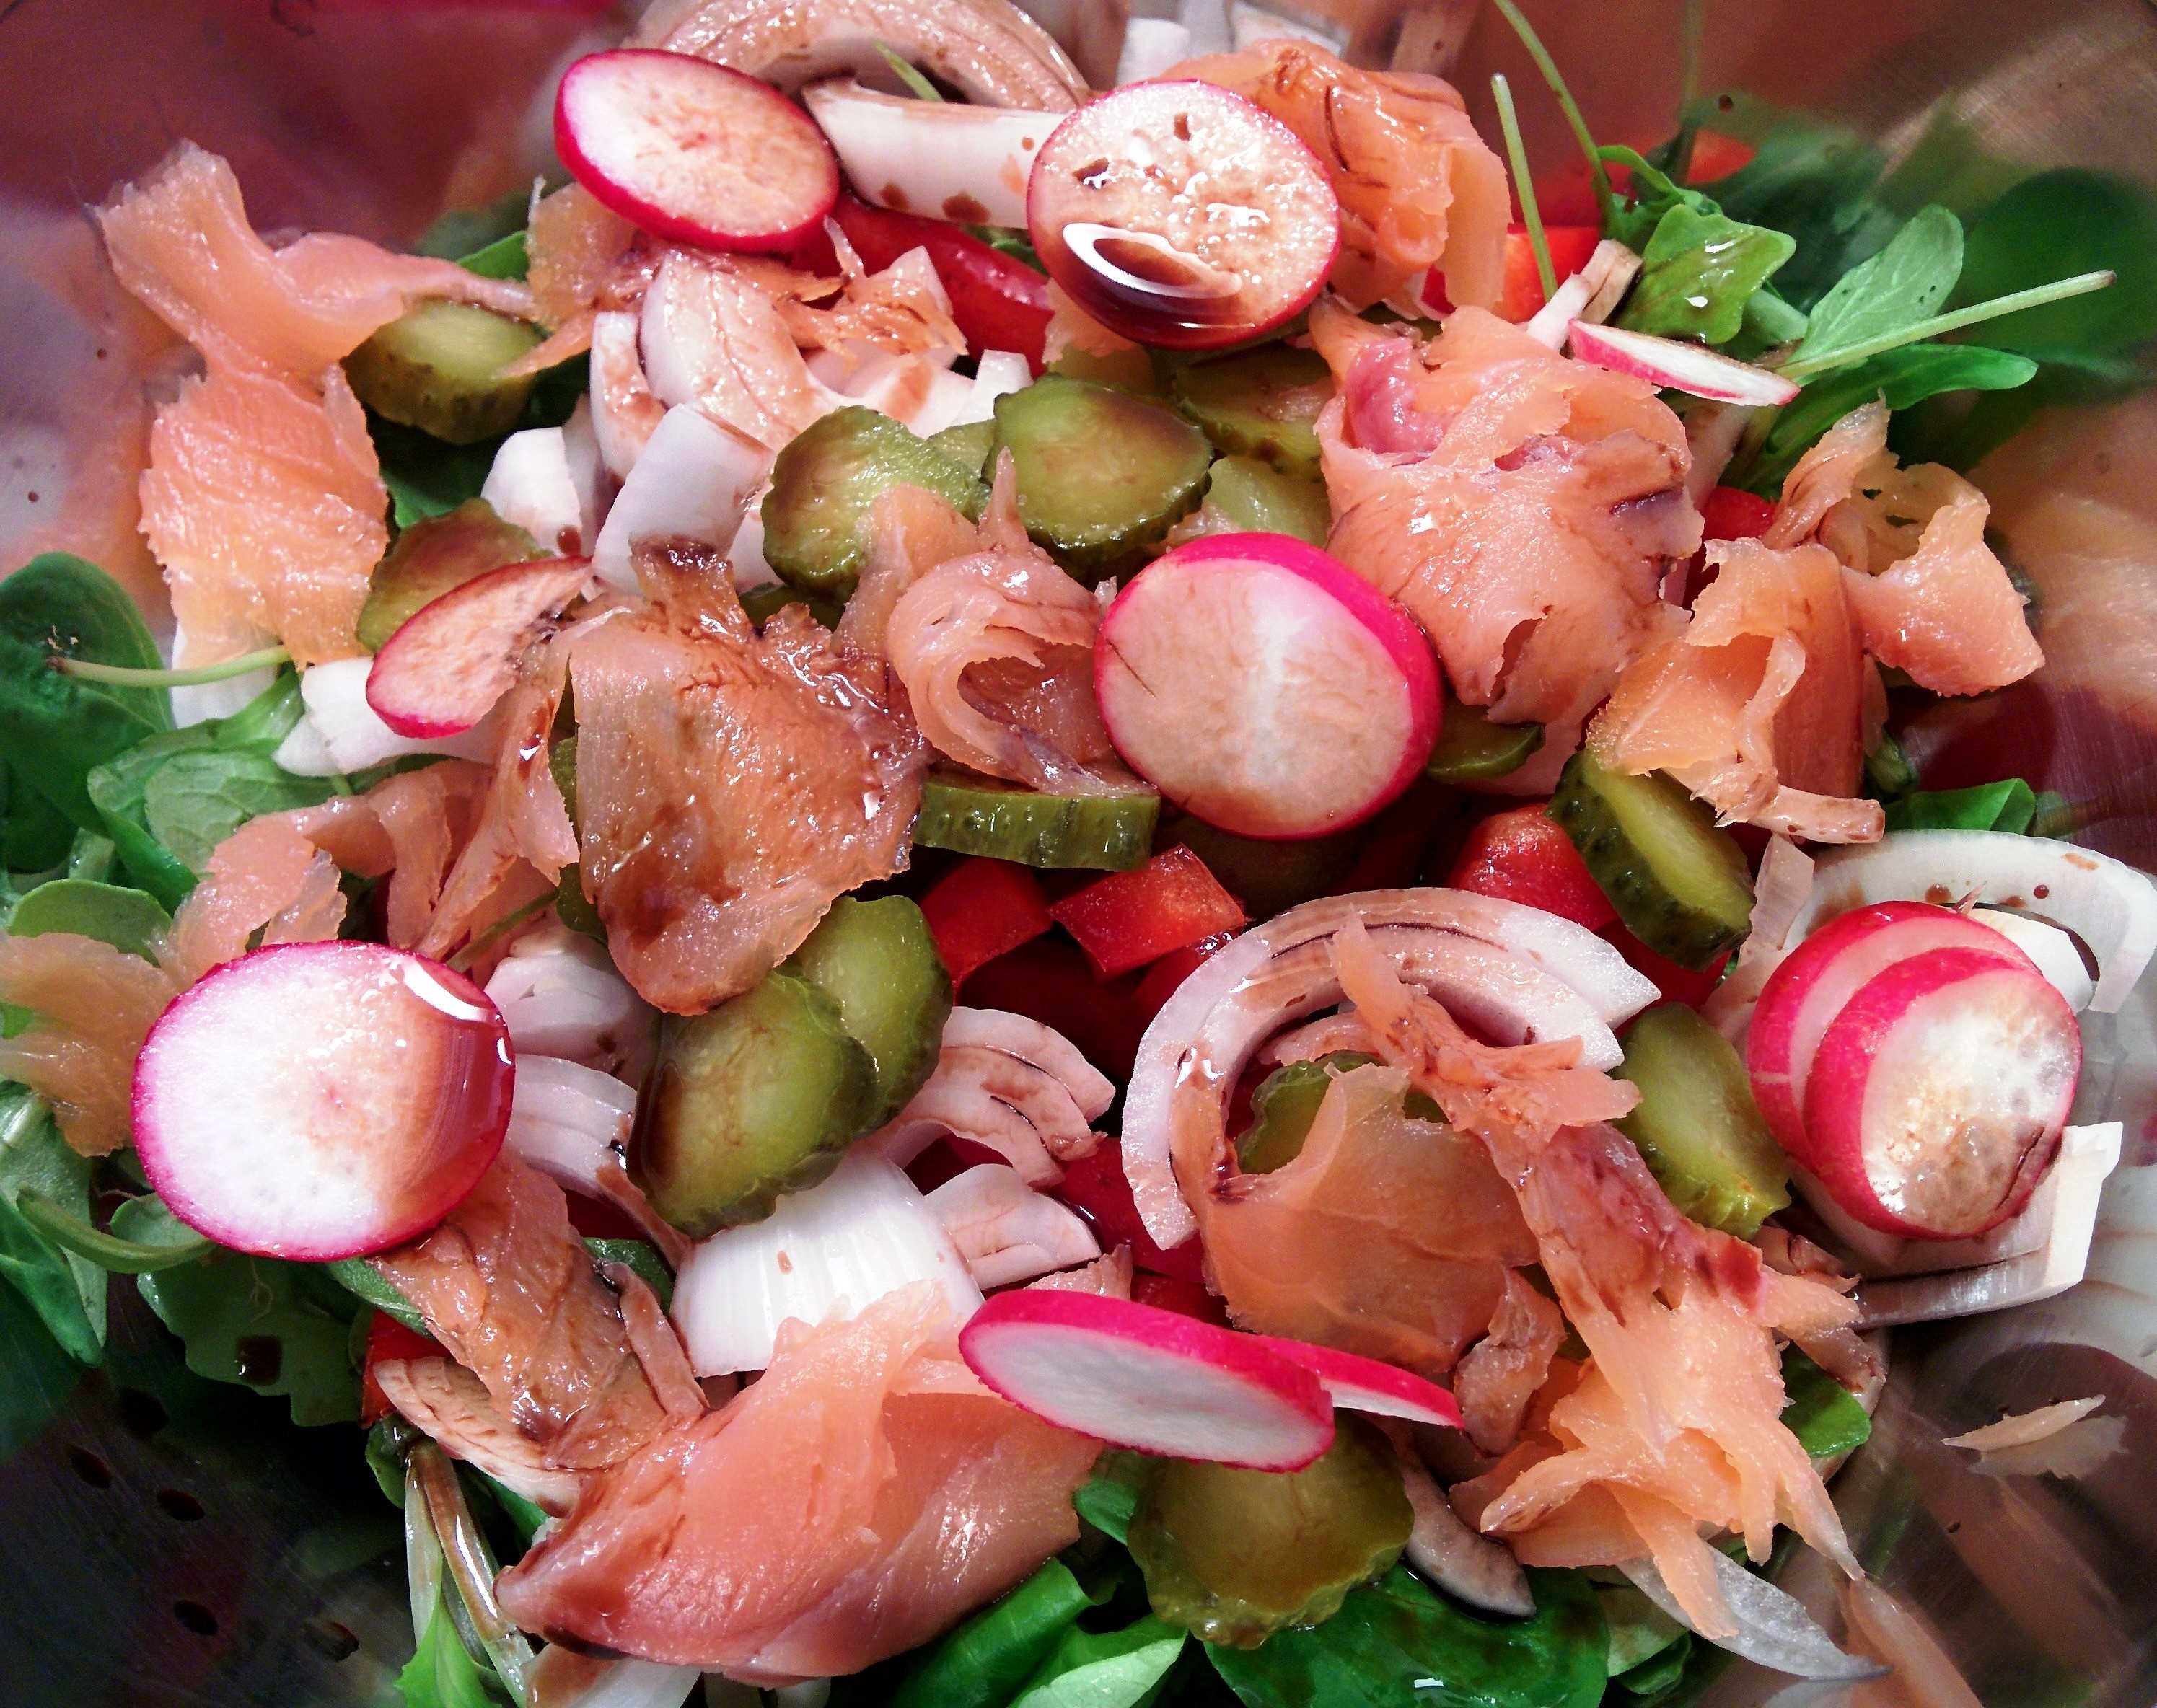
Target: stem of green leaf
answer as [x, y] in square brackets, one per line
[905, 71]
[1533, 43]
[119, 675]
[1975, 314]
[1516, 155]
[107, 1251]
[461, 961]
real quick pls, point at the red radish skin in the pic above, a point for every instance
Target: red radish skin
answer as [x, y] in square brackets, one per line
[1675, 366]
[692, 150]
[321, 1100]
[1804, 995]
[1359, 1384]
[1938, 1096]
[447, 663]
[1182, 215]
[1151, 1380]
[1263, 686]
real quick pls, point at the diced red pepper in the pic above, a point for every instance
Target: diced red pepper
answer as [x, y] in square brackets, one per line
[1392, 851]
[1095, 1185]
[1170, 970]
[1049, 980]
[599, 1218]
[1676, 984]
[997, 300]
[1522, 292]
[1129, 919]
[983, 908]
[1730, 514]
[1519, 855]
[1176, 1292]
[386, 1338]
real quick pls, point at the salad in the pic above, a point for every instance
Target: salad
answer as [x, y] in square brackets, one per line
[984, 893]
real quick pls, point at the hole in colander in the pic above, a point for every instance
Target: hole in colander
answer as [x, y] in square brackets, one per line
[329, 1638]
[195, 1618]
[141, 1415]
[88, 1466]
[178, 1504]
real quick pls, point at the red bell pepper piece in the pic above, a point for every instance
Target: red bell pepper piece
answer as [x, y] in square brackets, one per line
[1171, 969]
[1676, 984]
[1519, 855]
[1049, 980]
[386, 1338]
[1095, 1185]
[1522, 292]
[1730, 514]
[1176, 1292]
[997, 300]
[983, 908]
[1129, 919]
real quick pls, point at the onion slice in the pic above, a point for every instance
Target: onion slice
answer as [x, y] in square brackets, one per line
[1443, 1549]
[2023, 1427]
[1774, 1628]
[1007, 1231]
[1591, 295]
[563, 1678]
[938, 158]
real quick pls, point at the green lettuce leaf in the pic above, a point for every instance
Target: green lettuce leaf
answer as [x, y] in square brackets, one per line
[2010, 805]
[277, 1328]
[441, 1673]
[1699, 271]
[36, 1373]
[1109, 1499]
[1819, 1411]
[129, 920]
[1906, 282]
[66, 1291]
[994, 1653]
[1122, 1668]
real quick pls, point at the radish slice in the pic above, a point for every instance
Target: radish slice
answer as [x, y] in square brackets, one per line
[691, 482]
[2107, 903]
[1321, 712]
[1692, 368]
[1007, 1231]
[693, 151]
[967, 163]
[342, 733]
[1804, 994]
[321, 1100]
[1591, 295]
[1151, 1380]
[454, 657]
[1937, 1095]
[1358, 1384]
[1182, 215]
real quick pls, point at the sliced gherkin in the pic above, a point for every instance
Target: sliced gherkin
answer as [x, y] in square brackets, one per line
[1262, 403]
[1696, 1125]
[968, 445]
[438, 367]
[1234, 1556]
[572, 906]
[1248, 497]
[979, 815]
[1285, 1103]
[1471, 748]
[877, 963]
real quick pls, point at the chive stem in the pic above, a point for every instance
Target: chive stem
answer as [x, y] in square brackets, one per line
[1976, 314]
[907, 72]
[1536, 51]
[1516, 155]
[121, 676]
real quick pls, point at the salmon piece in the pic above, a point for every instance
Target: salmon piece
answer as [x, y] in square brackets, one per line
[265, 502]
[179, 239]
[405, 828]
[729, 786]
[578, 256]
[507, 1285]
[911, 530]
[1503, 1369]
[903, 310]
[1683, 1395]
[1419, 188]
[1948, 614]
[1828, 474]
[1523, 506]
[860, 1497]
[267, 877]
[94, 1004]
[1385, 1236]
[1758, 703]
[724, 330]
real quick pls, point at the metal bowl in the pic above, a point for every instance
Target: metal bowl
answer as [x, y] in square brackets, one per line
[168, 1542]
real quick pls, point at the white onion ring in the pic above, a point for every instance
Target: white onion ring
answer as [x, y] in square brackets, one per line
[1774, 1628]
[935, 159]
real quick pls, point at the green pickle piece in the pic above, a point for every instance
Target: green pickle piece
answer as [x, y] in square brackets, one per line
[968, 445]
[824, 481]
[572, 906]
[1243, 496]
[432, 557]
[760, 604]
[1285, 1103]
[1677, 880]
[438, 367]
[1269, 877]
[878, 965]
[1472, 749]
[1102, 475]
[980, 815]
[1696, 1125]
[1261, 404]
[1234, 1556]
[758, 1098]
[1131, 370]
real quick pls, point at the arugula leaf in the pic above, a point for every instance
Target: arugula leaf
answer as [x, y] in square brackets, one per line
[1902, 376]
[36, 1374]
[1889, 774]
[2009, 805]
[525, 1517]
[1819, 1411]
[369, 1284]
[66, 1293]
[55, 728]
[994, 1651]
[2059, 223]
[1396, 1641]
[442, 1673]
[506, 258]
[128, 919]
[1654, 194]
[1698, 273]
[145, 1235]
[277, 1328]
[1109, 1499]
[1906, 282]
[387, 1444]
[1105, 1668]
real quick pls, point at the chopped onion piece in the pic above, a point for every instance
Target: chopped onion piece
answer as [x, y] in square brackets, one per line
[691, 481]
[569, 1121]
[560, 996]
[1779, 894]
[1883, 1626]
[198, 702]
[2052, 948]
[1150, 46]
[941, 159]
[830, 1252]
[563, 1678]
[1027, 1039]
[1774, 1628]
[997, 375]
[2021, 1428]
[1007, 1231]
[340, 732]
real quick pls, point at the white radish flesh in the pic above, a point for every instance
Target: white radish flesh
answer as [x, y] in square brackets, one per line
[1359, 1384]
[1692, 368]
[1263, 686]
[938, 158]
[1148, 1379]
[692, 482]
[451, 660]
[692, 150]
[321, 1100]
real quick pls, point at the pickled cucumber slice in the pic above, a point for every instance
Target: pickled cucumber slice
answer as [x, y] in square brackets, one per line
[968, 445]
[1678, 882]
[979, 815]
[1268, 877]
[1286, 1103]
[1131, 370]
[1472, 749]
[762, 604]
[758, 1098]
[1696, 1125]
[878, 966]
[1248, 497]
[1234, 1556]
[1262, 403]
[572, 906]
[433, 556]
[437, 367]
[1102, 474]
[824, 481]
